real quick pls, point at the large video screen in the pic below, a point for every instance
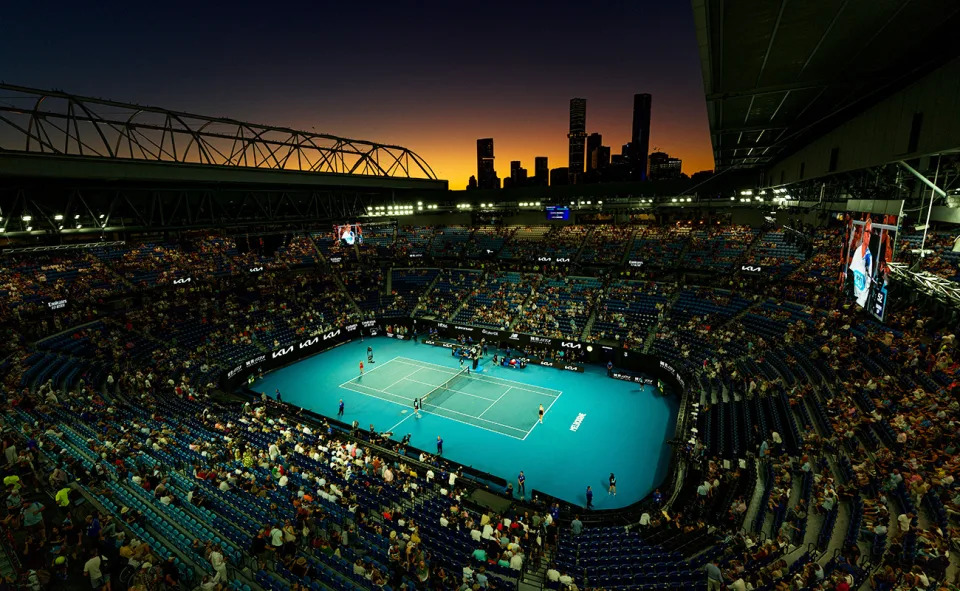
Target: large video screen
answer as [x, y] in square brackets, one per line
[555, 212]
[349, 234]
[866, 253]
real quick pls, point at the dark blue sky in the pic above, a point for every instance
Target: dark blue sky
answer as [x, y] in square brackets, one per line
[432, 76]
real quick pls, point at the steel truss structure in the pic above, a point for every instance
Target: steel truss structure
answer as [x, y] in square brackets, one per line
[938, 288]
[96, 209]
[40, 122]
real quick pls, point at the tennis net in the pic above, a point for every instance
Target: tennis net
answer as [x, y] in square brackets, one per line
[436, 396]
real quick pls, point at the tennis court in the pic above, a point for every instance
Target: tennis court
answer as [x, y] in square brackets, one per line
[592, 425]
[496, 404]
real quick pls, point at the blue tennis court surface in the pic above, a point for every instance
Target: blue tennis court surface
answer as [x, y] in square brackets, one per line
[593, 425]
[495, 404]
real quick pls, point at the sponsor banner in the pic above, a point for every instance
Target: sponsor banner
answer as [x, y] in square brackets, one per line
[57, 304]
[635, 263]
[416, 255]
[182, 280]
[557, 365]
[336, 260]
[437, 343]
[673, 373]
[304, 347]
[755, 269]
[618, 375]
[490, 333]
[255, 270]
[562, 260]
[399, 337]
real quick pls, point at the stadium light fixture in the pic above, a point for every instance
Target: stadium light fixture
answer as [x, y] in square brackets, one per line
[78, 226]
[674, 200]
[538, 204]
[733, 199]
[746, 192]
[101, 216]
[58, 217]
[29, 228]
[27, 218]
[76, 217]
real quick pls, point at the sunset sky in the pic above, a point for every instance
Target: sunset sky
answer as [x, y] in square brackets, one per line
[430, 76]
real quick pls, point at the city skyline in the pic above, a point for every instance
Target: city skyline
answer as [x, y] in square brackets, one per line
[415, 80]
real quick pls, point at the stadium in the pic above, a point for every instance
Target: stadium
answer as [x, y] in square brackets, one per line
[252, 357]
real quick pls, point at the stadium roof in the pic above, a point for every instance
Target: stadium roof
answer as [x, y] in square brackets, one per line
[779, 73]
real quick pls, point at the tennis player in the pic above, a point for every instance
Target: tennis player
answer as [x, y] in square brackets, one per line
[416, 407]
[541, 414]
[361, 368]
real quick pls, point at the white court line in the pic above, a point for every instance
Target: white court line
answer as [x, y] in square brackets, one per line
[545, 411]
[448, 390]
[482, 378]
[390, 430]
[448, 410]
[495, 402]
[444, 416]
[406, 377]
[353, 379]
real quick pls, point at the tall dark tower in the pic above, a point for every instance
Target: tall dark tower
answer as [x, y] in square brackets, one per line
[594, 142]
[577, 135]
[541, 171]
[640, 138]
[486, 175]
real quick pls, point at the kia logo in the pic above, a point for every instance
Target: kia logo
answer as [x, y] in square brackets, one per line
[750, 268]
[570, 345]
[311, 342]
[179, 281]
[256, 269]
[281, 352]
[331, 334]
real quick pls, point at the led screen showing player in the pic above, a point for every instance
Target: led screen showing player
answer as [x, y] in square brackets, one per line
[349, 234]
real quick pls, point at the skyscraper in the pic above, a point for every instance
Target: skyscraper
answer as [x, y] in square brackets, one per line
[578, 132]
[663, 167]
[486, 174]
[640, 138]
[594, 141]
[541, 171]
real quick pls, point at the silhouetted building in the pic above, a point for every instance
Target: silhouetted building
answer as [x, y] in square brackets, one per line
[559, 176]
[472, 183]
[663, 167]
[577, 135]
[603, 157]
[518, 174]
[640, 138]
[486, 174]
[541, 171]
[594, 141]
